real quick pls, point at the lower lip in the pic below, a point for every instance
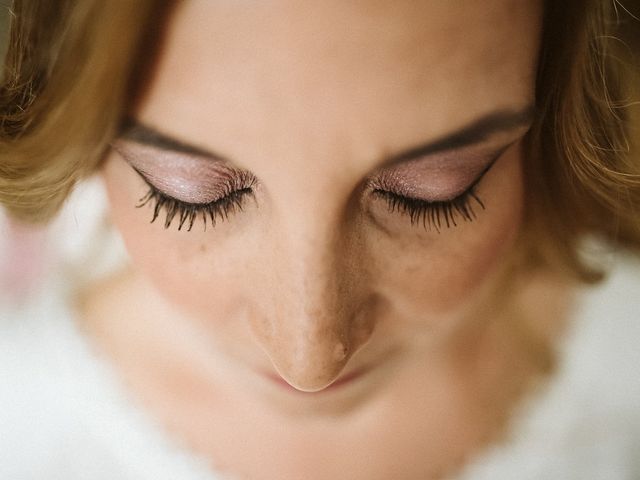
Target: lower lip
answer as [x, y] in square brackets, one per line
[338, 384]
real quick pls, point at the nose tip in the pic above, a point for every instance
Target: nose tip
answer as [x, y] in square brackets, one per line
[310, 349]
[312, 369]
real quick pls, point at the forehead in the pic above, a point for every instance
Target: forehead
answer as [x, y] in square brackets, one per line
[231, 73]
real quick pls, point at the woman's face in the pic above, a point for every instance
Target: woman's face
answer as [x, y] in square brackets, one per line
[347, 176]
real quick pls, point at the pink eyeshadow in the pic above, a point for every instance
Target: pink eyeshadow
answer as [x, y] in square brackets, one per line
[438, 178]
[186, 177]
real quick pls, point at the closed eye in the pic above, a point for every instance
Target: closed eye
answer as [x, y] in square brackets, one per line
[239, 186]
[433, 214]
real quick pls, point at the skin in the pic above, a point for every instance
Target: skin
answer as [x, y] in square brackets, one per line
[316, 278]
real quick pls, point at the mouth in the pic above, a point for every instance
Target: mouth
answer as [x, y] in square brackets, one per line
[338, 384]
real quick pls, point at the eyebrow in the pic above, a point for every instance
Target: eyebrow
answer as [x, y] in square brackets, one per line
[475, 132]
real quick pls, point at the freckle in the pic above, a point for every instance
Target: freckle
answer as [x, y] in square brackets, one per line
[203, 248]
[340, 351]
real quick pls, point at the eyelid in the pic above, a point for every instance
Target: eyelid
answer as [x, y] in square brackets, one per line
[238, 180]
[167, 195]
[220, 209]
[435, 181]
[488, 167]
[188, 178]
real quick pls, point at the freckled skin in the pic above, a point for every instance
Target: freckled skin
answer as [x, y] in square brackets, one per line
[313, 279]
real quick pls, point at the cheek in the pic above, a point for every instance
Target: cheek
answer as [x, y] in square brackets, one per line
[193, 270]
[431, 274]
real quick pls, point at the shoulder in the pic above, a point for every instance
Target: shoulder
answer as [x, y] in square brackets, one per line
[585, 422]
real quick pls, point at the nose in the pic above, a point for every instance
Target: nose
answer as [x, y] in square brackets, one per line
[320, 308]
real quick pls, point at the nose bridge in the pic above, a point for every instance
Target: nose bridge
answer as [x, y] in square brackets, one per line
[324, 296]
[316, 322]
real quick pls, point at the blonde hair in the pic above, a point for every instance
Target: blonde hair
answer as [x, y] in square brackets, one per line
[67, 79]
[72, 67]
[583, 172]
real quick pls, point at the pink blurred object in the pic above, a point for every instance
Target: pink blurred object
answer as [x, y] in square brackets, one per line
[23, 258]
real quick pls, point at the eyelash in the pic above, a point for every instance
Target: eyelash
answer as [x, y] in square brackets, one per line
[238, 187]
[434, 214]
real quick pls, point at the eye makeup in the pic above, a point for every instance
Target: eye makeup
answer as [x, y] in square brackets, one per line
[187, 178]
[438, 191]
[186, 186]
[436, 179]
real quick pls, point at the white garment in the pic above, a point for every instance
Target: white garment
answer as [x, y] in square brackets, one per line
[65, 416]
